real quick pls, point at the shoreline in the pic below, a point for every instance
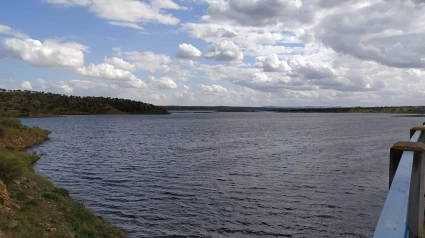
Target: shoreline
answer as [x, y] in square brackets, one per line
[30, 204]
[85, 114]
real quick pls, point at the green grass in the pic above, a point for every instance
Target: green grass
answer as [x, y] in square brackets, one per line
[45, 203]
[16, 137]
[40, 209]
[10, 122]
[12, 165]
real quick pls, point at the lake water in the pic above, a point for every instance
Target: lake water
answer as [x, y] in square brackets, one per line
[226, 174]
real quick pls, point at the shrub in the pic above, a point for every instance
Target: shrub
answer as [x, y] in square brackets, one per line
[61, 191]
[6, 122]
[31, 202]
[1, 131]
[10, 147]
[20, 196]
[26, 158]
[10, 167]
[56, 194]
[88, 231]
[52, 196]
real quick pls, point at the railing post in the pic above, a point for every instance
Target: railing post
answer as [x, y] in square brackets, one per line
[395, 156]
[415, 215]
[415, 212]
[416, 128]
[421, 138]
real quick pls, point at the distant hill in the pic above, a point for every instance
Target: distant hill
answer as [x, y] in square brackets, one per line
[307, 109]
[214, 108]
[17, 103]
[396, 110]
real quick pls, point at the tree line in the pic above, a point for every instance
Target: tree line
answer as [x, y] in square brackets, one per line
[25, 103]
[387, 109]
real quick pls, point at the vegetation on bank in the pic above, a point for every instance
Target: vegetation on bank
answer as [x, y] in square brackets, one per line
[16, 137]
[395, 110]
[30, 205]
[410, 115]
[17, 103]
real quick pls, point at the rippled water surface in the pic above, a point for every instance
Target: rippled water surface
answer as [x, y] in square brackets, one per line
[226, 174]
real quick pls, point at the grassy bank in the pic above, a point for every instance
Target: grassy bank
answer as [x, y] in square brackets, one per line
[30, 205]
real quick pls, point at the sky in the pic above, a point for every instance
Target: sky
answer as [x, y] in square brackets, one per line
[218, 52]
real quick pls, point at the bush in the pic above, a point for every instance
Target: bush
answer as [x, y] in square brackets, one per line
[5, 122]
[31, 202]
[61, 191]
[1, 131]
[20, 196]
[56, 194]
[52, 196]
[10, 167]
[88, 231]
[10, 147]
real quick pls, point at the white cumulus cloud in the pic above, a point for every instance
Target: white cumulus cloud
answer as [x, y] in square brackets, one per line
[7, 30]
[127, 13]
[224, 51]
[50, 53]
[134, 11]
[119, 63]
[163, 82]
[66, 88]
[166, 4]
[188, 51]
[213, 89]
[271, 63]
[261, 13]
[107, 71]
[126, 24]
[26, 85]
[149, 61]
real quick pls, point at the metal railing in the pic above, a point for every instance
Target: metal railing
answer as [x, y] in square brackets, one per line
[403, 212]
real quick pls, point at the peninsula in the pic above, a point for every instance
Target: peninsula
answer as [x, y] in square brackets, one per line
[18, 103]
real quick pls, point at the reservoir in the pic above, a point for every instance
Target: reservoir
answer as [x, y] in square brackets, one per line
[226, 174]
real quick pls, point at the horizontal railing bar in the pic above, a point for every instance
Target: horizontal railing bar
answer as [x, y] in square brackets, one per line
[415, 137]
[394, 215]
[393, 220]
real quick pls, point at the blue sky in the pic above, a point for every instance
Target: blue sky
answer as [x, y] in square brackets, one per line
[43, 21]
[217, 52]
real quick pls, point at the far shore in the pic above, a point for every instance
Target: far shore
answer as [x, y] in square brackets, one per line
[388, 110]
[410, 115]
